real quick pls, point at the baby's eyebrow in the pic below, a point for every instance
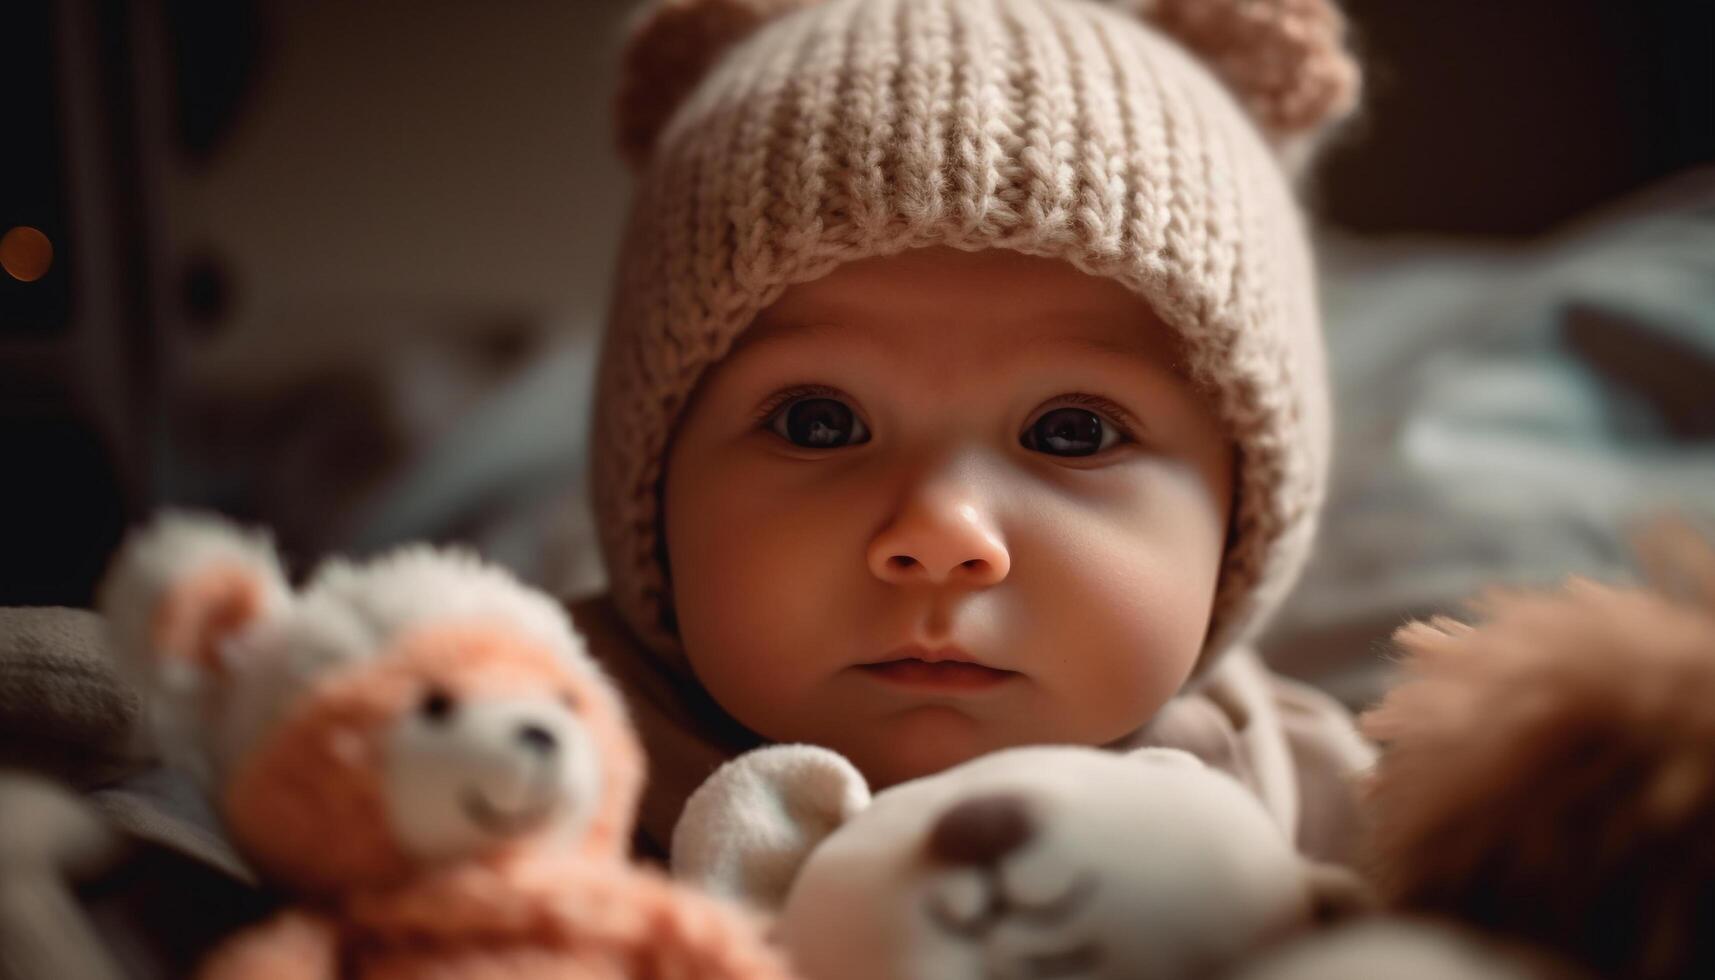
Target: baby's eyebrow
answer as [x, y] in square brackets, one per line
[1167, 363]
[781, 332]
[1050, 339]
[1091, 345]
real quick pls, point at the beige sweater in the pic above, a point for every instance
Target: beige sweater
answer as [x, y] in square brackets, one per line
[1294, 746]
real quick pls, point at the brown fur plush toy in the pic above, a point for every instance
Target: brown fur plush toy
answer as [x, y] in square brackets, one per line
[1548, 773]
[420, 750]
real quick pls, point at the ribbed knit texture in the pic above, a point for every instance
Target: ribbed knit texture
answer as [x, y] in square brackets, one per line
[1056, 128]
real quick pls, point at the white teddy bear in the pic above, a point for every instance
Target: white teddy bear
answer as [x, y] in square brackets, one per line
[1030, 863]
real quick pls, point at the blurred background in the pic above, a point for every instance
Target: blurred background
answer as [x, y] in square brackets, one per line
[340, 268]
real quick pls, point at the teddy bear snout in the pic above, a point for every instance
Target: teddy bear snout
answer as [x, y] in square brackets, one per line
[538, 739]
[983, 830]
[479, 769]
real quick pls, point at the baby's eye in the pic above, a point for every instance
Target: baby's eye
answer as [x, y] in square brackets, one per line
[818, 423]
[1070, 431]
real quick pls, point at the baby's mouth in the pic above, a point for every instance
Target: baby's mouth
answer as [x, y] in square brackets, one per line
[940, 675]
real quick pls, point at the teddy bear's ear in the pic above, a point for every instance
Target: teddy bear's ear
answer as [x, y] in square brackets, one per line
[182, 586]
[672, 45]
[748, 829]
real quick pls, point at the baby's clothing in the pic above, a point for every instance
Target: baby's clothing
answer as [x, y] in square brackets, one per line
[1292, 745]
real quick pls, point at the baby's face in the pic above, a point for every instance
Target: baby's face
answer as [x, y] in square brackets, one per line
[941, 503]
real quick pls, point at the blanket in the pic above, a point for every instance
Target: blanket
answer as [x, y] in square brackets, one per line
[1506, 414]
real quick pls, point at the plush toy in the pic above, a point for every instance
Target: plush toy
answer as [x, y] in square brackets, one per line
[1028, 863]
[1548, 774]
[420, 750]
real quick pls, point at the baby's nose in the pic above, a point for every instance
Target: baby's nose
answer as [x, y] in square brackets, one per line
[939, 542]
[982, 830]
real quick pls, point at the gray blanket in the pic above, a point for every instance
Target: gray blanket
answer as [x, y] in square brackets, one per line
[110, 865]
[1506, 416]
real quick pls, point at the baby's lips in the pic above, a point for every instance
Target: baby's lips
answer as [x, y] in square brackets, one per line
[945, 653]
[944, 675]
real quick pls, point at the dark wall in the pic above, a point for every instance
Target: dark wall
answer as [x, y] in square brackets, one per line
[1506, 117]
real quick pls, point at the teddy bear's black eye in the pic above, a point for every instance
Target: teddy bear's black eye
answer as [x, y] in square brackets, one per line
[437, 705]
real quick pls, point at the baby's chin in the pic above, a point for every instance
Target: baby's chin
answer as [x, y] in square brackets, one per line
[921, 742]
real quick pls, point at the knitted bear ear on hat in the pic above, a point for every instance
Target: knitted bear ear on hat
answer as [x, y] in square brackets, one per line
[672, 45]
[1286, 61]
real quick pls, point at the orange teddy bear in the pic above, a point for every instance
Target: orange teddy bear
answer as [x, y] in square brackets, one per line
[422, 751]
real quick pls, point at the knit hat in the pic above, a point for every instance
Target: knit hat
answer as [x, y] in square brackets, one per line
[1142, 141]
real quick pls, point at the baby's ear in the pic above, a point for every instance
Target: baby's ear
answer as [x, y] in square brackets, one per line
[184, 585]
[749, 828]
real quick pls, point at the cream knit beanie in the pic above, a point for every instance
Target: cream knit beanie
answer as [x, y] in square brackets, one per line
[1141, 141]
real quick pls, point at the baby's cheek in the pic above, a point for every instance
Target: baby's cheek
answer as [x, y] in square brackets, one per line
[1133, 659]
[1121, 628]
[779, 539]
[756, 596]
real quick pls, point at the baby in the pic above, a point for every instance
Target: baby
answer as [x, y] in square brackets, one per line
[963, 386]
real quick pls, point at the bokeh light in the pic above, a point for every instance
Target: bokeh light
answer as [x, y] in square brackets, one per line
[26, 254]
